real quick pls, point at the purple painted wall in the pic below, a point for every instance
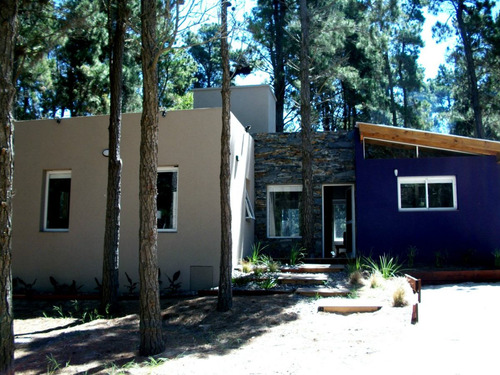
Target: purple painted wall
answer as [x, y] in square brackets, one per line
[466, 236]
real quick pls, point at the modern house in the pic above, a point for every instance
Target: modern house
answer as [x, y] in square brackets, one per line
[377, 190]
[60, 195]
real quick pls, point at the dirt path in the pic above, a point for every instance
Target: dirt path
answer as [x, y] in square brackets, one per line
[457, 334]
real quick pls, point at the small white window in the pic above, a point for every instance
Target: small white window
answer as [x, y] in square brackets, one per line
[283, 211]
[427, 193]
[57, 201]
[166, 200]
[249, 212]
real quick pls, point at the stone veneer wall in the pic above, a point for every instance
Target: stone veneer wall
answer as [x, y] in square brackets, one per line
[278, 162]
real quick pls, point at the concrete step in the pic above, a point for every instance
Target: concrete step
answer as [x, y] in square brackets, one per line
[306, 279]
[314, 268]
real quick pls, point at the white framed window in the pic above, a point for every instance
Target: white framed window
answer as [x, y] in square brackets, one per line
[283, 211]
[427, 193]
[249, 211]
[166, 200]
[57, 201]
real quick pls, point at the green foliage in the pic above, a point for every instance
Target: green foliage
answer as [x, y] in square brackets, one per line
[440, 257]
[83, 314]
[411, 254]
[269, 263]
[255, 257]
[131, 284]
[268, 283]
[53, 364]
[297, 254]
[386, 266]
[496, 255]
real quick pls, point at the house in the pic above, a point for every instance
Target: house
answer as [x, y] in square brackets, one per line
[435, 193]
[60, 194]
[377, 189]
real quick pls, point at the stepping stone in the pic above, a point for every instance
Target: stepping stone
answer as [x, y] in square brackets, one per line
[316, 279]
[343, 306]
[314, 268]
[323, 292]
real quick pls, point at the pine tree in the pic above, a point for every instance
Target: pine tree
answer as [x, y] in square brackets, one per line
[8, 14]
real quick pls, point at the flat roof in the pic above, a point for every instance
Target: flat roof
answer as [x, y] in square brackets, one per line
[428, 139]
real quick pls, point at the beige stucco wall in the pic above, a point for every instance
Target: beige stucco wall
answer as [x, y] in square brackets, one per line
[189, 140]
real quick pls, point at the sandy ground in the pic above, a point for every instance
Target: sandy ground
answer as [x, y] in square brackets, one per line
[457, 333]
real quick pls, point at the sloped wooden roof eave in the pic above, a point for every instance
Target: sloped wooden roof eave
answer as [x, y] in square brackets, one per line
[429, 139]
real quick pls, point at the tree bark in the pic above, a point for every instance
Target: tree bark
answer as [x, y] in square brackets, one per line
[8, 15]
[110, 273]
[225, 299]
[279, 11]
[391, 88]
[471, 70]
[150, 311]
[305, 114]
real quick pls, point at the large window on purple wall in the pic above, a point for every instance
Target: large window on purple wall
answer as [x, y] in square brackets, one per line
[427, 193]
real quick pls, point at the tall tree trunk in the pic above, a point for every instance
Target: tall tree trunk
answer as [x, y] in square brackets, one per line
[8, 15]
[225, 299]
[117, 18]
[279, 11]
[471, 70]
[391, 88]
[305, 114]
[150, 311]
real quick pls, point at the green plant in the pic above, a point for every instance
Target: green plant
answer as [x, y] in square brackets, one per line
[496, 255]
[297, 254]
[131, 285]
[257, 249]
[440, 258]
[246, 266]
[375, 279]
[240, 281]
[268, 283]
[174, 285]
[354, 264]
[269, 263]
[387, 266]
[411, 254]
[53, 364]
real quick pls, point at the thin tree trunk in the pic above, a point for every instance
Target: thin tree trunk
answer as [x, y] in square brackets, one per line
[150, 312]
[279, 11]
[391, 88]
[471, 71]
[110, 272]
[225, 299]
[8, 15]
[305, 114]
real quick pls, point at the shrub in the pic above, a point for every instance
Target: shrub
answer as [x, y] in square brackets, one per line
[255, 257]
[375, 280]
[387, 266]
[356, 277]
[399, 297]
[296, 255]
[246, 266]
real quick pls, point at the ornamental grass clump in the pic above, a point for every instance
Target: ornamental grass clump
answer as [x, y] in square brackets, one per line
[399, 297]
[387, 266]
